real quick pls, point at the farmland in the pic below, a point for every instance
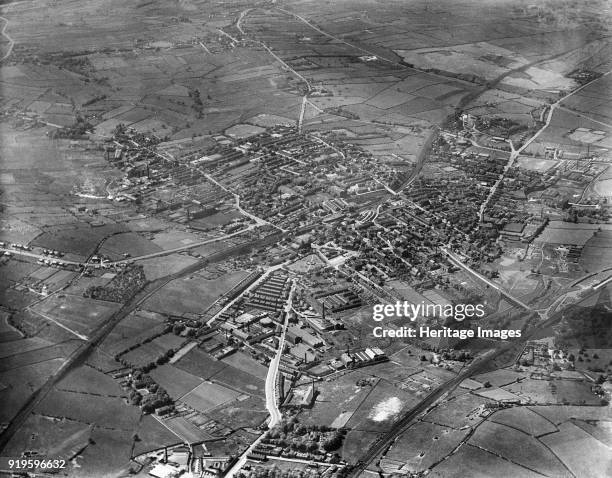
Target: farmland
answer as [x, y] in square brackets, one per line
[243, 182]
[192, 294]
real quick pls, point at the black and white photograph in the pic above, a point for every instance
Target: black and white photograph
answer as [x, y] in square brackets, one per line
[305, 238]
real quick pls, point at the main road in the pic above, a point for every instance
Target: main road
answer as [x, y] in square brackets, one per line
[271, 392]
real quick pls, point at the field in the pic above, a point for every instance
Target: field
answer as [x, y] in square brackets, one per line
[191, 294]
[151, 351]
[95, 459]
[472, 461]
[130, 243]
[60, 438]
[86, 379]
[538, 391]
[207, 396]
[76, 313]
[157, 267]
[23, 382]
[20, 346]
[457, 412]
[199, 363]
[517, 447]
[81, 240]
[153, 436]
[380, 409]
[39, 355]
[187, 432]
[176, 382]
[336, 401]
[133, 330]
[579, 451]
[239, 380]
[244, 362]
[112, 412]
[568, 233]
[249, 412]
[205, 366]
[558, 414]
[421, 446]
[524, 419]
[355, 442]
[597, 251]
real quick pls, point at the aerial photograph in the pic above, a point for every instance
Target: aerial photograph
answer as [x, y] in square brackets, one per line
[306, 238]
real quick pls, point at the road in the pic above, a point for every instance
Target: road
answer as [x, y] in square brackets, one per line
[99, 334]
[516, 152]
[263, 277]
[271, 404]
[380, 446]
[455, 260]
[259, 221]
[132, 259]
[480, 365]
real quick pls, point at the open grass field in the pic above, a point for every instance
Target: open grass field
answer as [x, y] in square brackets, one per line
[336, 401]
[249, 412]
[108, 455]
[161, 266]
[380, 408]
[133, 330]
[208, 395]
[77, 313]
[248, 364]
[200, 364]
[21, 382]
[86, 379]
[191, 294]
[525, 420]
[457, 412]
[472, 461]
[597, 251]
[355, 442]
[111, 412]
[130, 243]
[558, 414]
[422, 445]
[151, 351]
[186, 430]
[32, 357]
[239, 380]
[19, 346]
[517, 447]
[59, 438]
[153, 436]
[81, 240]
[579, 451]
[176, 382]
